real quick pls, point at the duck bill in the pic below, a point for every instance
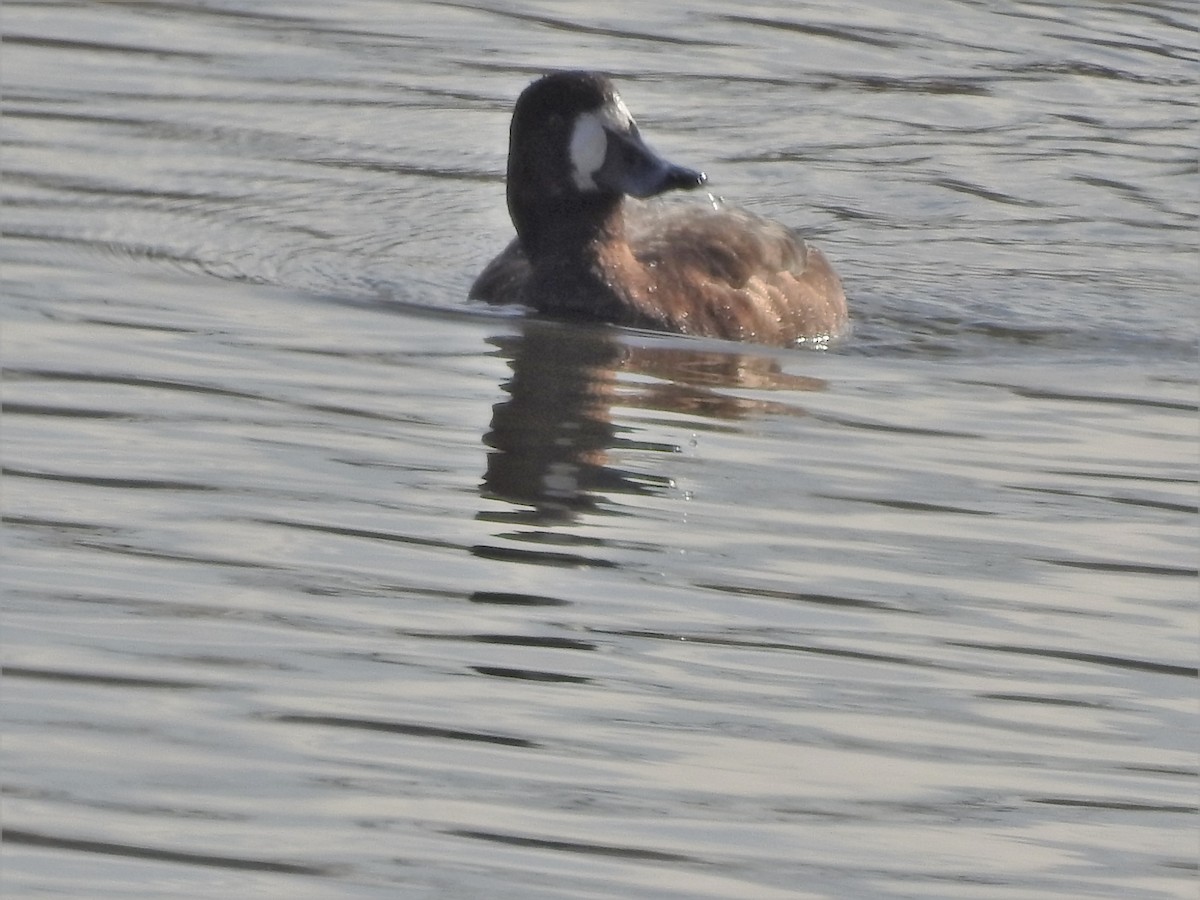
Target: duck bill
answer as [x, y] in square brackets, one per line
[631, 167]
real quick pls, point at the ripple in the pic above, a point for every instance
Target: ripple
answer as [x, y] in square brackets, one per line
[541, 843]
[1100, 659]
[21, 837]
[406, 729]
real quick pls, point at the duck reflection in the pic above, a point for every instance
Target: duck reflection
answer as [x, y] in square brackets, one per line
[551, 439]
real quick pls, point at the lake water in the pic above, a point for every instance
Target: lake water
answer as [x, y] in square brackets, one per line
[322, 581]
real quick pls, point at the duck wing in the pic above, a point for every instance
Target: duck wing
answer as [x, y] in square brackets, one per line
[729, 273]
[503, 279]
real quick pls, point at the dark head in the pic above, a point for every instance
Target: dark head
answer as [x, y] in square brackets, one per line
[574, 151]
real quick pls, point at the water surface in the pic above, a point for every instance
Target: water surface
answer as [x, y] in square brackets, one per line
[324, 582]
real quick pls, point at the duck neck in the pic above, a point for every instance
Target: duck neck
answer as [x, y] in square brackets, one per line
[572, 250]
[570, 227]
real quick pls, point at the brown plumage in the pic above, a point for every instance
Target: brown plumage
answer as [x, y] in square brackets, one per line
[584, 251]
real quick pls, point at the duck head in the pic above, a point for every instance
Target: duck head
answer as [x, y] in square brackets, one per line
[575, 152]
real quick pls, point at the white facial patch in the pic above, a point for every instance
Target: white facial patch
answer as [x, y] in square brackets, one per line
[589, 140]
[589, 144]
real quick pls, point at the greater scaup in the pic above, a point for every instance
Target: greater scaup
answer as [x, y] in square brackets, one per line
[583, 251]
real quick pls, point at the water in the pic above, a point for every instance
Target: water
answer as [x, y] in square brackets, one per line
[324, 582]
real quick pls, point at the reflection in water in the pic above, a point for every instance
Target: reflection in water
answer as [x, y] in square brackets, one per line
[550, 439]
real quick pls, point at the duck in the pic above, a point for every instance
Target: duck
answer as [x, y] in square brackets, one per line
[591, 244]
